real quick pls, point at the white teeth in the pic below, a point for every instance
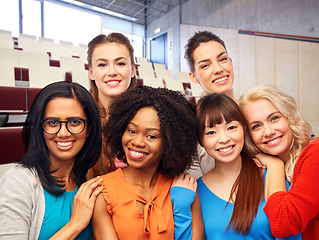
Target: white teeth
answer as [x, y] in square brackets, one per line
[112, 82]
[225, 149]
[220, 80]
[274, 141]
[137, 153]
[64, 144]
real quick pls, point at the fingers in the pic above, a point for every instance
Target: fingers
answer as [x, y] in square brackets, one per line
[90, 188]
[185, 180]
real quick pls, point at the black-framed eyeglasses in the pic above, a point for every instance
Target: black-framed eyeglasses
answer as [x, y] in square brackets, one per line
[73, 125]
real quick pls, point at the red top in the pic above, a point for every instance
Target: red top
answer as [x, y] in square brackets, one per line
[298, 209]
[128, 221]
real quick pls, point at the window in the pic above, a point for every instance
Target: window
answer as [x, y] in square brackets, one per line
[31, 11]
[70, 24]
[9, 16]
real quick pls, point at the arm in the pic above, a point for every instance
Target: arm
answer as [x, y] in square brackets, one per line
[275, 178]
[82, 210]
[16, 203]
[183, 193]
[290, 212]
[102, 221]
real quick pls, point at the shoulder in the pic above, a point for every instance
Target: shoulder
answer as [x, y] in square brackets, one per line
[308, 159]
[111, 176]
[312, 150]
[22, 174]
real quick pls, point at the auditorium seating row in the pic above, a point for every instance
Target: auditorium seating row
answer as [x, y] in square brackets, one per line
[28, 61]
[36, 62]
[15, 103]
[25, 68]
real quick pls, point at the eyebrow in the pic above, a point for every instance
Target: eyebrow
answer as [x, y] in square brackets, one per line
[106, 60]
[206, 60]
[253, 122]
[149, 129]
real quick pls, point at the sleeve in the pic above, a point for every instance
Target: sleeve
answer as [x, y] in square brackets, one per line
[15, 208]
[289, 212]
[182, 199]
[107, 198]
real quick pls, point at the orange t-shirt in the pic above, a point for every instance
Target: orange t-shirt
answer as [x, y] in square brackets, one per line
[128, 221]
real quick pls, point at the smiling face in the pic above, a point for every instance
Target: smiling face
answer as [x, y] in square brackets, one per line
[213, 69]
[268, 128]
[111, 69]
[142, 141]
[224, 141]
[64, 146]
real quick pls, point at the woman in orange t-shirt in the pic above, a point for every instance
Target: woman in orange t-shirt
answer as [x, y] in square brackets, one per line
[152, 131]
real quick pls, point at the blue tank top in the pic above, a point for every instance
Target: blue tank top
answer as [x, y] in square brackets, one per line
[216, 216]
[58, 210]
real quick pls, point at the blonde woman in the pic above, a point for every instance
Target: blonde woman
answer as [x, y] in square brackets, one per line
[276, 129]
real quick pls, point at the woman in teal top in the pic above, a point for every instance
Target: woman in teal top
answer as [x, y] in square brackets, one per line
[46, 196]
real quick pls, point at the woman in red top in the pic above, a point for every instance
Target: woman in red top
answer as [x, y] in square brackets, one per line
[276, 129]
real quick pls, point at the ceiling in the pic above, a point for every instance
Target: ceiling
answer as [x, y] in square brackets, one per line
[144, 11]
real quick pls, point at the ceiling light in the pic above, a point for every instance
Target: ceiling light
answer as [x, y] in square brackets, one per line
[157, 30]
[107, 12]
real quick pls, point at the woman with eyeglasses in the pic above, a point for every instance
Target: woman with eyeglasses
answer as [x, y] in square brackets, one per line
[45, 195]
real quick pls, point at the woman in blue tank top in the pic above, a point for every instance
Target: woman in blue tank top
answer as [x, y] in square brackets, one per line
[232, 193]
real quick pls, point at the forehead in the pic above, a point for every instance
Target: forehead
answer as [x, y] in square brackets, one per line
[64, 108]
[259, 109]
[147, 117]
[113, 49]
[208, 50]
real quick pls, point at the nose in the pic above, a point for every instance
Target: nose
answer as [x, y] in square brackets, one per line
[112, 70]
[268, 130]
[223, 137]
[217, 68]
[63, 131]
[138, 140]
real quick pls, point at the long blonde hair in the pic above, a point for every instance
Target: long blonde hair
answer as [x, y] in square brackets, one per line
[287, 106]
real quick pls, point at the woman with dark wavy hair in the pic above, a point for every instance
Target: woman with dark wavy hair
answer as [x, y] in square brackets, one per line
[45, 195]
[152, 131]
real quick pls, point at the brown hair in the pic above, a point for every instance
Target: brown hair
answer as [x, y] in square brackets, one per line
[249, 185]
[195, 41]
[105, 163]
[110, 38]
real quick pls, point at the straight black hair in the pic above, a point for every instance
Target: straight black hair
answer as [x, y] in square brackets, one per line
[37, 152]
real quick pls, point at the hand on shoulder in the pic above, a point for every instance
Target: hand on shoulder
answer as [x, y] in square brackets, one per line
[185, 180]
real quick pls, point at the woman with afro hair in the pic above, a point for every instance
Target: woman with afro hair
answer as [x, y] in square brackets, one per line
[152, 131]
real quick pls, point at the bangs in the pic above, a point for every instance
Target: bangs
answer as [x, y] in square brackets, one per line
[217, 108]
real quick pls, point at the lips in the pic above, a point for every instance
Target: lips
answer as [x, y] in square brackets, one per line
[112, 83]
[135, 154]
[226, 150]
[220, 80]
[274, 141]
[65, 145]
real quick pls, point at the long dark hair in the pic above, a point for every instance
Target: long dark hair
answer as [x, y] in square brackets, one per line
[249, 185]
[37, 153]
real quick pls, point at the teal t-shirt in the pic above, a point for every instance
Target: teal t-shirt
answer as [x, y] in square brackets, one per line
[58, 210]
